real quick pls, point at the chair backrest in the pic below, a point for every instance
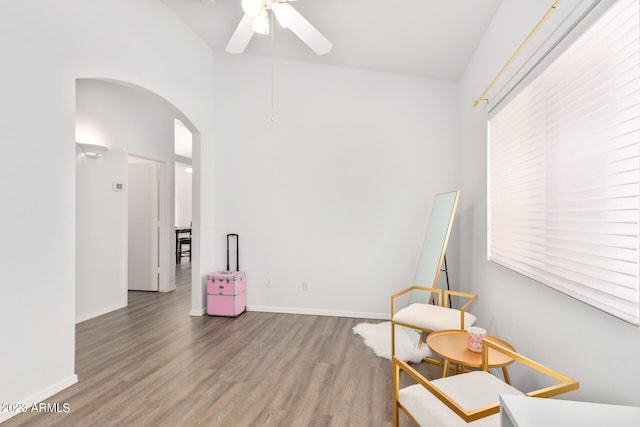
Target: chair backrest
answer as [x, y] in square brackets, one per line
[564, 384]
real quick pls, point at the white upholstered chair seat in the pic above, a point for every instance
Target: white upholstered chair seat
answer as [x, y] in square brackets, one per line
[471, 391]
[432, 317]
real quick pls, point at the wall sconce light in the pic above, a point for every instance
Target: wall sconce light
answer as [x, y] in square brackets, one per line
[92, 151]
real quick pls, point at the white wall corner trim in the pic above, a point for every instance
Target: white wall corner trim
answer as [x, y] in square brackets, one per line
[197, 312]
[169, 289]
[103, 310]
[41, 395]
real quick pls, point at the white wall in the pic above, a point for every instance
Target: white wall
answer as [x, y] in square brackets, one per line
[338, 190]
[49, 47]
[101, 241]
[574, 338]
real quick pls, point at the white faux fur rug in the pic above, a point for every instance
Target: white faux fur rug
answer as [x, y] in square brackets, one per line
[377, 336]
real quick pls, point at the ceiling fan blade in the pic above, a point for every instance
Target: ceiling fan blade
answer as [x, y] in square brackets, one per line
[309, 35]
[241, 36]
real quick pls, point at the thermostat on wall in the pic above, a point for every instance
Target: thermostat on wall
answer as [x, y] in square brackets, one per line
[118, 186]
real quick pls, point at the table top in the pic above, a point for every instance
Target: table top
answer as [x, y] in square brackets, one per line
[452, 345]
[522, 411]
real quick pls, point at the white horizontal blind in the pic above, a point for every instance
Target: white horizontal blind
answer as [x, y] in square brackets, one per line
[564, 170]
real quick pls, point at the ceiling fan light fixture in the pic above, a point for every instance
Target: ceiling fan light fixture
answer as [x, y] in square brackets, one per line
[284, 13]
[261, 23]
[257, 19]
[252, 7]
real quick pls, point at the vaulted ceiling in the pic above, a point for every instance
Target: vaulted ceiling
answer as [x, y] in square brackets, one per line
[425, 38]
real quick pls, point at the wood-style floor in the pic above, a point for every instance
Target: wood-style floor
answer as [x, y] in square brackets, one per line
[151, 364]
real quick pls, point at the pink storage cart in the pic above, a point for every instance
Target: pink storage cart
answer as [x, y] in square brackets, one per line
[226, 290]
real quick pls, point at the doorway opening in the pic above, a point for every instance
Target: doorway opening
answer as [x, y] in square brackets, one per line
[144, 225]
[183, 146]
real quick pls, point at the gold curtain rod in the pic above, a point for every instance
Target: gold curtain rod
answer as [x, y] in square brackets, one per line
[515, 54]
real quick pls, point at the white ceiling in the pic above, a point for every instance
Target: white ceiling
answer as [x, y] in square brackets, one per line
[425, 38]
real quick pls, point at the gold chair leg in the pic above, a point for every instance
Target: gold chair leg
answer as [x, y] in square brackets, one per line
[423, 339]
[393, 339]
[395, 378]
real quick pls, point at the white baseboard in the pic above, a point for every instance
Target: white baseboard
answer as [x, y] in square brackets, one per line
[197, 312]
[41, 395]
[317, 312]
[83, 317]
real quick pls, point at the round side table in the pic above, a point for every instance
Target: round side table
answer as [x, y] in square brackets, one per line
[451, 346]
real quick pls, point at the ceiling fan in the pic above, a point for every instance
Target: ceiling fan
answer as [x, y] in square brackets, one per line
[256, 20]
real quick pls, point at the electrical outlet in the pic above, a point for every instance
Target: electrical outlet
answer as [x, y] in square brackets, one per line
[269, 282]
[305, 286]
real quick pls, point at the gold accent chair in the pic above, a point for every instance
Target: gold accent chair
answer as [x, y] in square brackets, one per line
[428, 311]
[424, 307]
[470, 398]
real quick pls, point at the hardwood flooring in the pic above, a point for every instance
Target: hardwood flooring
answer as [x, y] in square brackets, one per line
[151, 364]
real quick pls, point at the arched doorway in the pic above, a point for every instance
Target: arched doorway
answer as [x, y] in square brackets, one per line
[127, 119]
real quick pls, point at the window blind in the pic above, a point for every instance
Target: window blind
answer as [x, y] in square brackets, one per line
[564, 169]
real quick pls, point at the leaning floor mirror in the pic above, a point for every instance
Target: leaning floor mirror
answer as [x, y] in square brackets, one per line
[429, 308]
[435, 243]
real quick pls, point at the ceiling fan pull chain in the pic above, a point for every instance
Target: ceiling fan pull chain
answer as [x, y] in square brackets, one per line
[273, 114]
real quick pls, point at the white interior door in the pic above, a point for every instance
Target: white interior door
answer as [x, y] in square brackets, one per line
[144, 227]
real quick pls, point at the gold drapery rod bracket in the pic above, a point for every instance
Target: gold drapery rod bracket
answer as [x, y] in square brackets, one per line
[477, 101]
[516, 53]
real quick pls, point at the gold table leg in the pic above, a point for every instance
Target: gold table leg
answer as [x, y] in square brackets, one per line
[507, 379]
